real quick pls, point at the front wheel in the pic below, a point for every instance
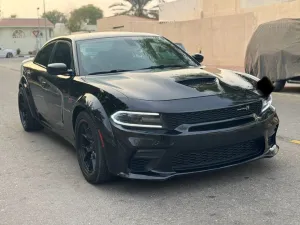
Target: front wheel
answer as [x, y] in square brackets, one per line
[279, 85]
[90, 150]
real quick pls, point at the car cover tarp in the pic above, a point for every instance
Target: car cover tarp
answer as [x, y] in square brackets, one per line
[274, 50]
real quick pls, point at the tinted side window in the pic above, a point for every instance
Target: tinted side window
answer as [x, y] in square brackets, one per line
[62, 54]
[44, 54]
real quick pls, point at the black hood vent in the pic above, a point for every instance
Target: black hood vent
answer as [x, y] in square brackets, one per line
[197, 81]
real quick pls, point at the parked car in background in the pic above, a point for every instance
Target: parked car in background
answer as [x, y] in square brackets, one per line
[141, 108]
[274, 52]
[7, 53]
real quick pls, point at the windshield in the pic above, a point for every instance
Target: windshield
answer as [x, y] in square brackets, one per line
[129, 53]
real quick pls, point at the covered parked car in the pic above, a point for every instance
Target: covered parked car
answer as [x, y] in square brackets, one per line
[141, 108]
[274, 52]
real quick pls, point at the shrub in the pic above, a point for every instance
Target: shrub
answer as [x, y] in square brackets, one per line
[18, 51]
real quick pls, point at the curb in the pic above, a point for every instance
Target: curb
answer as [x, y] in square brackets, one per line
[25, 56]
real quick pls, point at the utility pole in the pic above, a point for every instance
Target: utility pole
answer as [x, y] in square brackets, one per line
[45, 20]
[38, 38]
[0, 8]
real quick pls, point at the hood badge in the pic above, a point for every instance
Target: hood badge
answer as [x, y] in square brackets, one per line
[246, 108]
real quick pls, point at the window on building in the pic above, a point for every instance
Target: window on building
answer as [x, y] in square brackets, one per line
[18, 34]
[44, 54]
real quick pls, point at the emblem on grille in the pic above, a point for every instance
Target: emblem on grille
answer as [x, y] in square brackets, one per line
[246, 108]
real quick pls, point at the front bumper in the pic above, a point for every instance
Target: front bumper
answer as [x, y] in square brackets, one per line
[160, 155]
[271, 152]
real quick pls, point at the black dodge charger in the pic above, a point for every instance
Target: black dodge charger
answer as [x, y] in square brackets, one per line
[136, 105]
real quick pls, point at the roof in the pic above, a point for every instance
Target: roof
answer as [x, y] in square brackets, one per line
[24, 22]
[95, 35]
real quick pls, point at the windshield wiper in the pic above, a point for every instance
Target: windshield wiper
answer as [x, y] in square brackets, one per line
[109, 71]
[163, 67]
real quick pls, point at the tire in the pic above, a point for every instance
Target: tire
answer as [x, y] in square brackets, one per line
[9, 55]
[90, 153]
[29, 123]
[279, 85]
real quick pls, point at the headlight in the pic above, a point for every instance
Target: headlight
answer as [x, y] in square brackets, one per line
[267, 103]
[137, 119]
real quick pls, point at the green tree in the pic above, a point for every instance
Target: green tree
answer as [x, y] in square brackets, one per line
[88, 14]
[140, 8]
[13, 16]
[55, 17]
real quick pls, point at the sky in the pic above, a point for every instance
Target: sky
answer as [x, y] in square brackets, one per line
[29, 10]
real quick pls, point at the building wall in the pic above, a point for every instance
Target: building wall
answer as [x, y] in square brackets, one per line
[266, 13]
[213, 8]
[223, 33]
[181, 10]
[222, 40]
[25, 44]
[118, 23]
[258, 3]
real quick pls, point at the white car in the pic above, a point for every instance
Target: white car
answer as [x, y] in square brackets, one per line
[7, 53]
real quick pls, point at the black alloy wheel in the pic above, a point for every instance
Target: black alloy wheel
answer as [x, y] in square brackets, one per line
[27, 120]
[90, 151]
[23, 111]
[87, 149]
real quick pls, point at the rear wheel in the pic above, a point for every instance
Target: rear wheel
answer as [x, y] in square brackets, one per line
[90, 150]
[279, 85]
[28, 122]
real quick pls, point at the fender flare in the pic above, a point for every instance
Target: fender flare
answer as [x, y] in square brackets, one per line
[26, 91]
[90, 103]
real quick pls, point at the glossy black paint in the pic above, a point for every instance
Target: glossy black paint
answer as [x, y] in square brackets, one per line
[56, 100]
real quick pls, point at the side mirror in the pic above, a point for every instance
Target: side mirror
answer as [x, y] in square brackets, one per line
[57, 69]
[265, 86]
[199, 57]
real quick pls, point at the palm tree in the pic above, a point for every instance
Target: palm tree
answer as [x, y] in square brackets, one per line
[138, 8]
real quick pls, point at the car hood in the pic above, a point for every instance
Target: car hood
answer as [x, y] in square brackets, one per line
[172, 84]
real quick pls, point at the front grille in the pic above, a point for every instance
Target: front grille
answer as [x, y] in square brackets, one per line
[216, 157]
[139, 164]
[173, 120]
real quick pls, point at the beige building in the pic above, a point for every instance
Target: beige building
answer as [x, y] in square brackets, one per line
[220, 28]
[181, 10]
[20, 33]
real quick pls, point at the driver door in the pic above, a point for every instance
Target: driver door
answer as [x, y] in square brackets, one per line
[59, 86]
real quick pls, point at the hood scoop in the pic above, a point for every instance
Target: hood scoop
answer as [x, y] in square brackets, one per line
[197, 81]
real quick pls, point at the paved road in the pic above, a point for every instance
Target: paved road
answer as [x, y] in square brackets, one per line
[41, 182]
